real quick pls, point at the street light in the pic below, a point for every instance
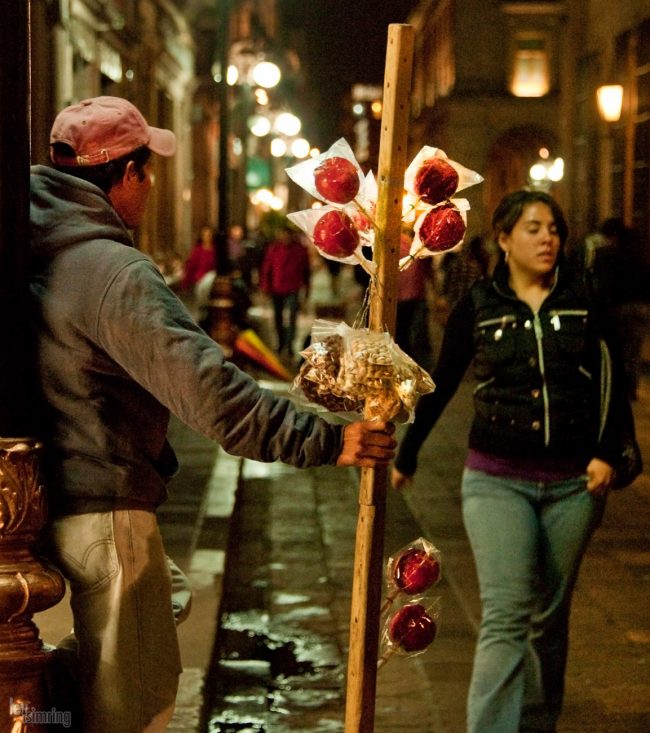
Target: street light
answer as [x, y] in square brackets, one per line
[545, 172]
[287, 124]
[266, 74]
[610, 102]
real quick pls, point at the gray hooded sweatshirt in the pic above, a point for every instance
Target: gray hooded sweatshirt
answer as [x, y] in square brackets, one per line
[118, 351]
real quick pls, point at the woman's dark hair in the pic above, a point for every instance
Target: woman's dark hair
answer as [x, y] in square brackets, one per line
[106, 175]
[511, 207]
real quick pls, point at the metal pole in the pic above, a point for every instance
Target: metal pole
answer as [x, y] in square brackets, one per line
[26, 586]
[223, 183]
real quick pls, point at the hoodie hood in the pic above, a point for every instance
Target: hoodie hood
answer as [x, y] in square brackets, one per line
[66, 211]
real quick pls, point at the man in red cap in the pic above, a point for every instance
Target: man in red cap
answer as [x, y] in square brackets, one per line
[117, 351]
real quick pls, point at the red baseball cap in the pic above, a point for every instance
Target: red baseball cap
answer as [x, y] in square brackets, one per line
[102, 129]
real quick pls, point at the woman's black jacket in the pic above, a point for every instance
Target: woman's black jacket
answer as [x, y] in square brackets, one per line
[538, 376]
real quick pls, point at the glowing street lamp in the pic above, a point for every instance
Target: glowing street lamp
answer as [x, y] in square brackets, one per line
[287, 124]
[545, 172]
[266, 74]
[610, 102]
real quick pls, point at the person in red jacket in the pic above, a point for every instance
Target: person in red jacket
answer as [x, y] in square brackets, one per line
[201, 260]
[285, 273]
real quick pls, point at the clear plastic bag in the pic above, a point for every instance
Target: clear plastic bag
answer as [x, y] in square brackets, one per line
[357, 370]
[410, 629]
[414, 569]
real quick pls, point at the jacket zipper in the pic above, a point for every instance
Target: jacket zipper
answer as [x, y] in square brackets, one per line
[555, 315]
[537, 324]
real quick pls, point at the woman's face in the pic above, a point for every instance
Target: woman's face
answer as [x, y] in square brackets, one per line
[533, 245]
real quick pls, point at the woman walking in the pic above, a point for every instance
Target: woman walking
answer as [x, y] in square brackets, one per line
[539, 465]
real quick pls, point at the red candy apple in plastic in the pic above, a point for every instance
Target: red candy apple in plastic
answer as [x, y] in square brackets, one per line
[442, 228]
[415, 570]
[335, 235]
[412, 628]
[435, 180]
[337, 180]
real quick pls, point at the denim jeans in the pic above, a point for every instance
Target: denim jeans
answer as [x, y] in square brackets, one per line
[527, 539]
[124, 654]
[286, 334]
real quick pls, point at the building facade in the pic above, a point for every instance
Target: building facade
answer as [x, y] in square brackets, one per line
[504, 85]
[143, 51]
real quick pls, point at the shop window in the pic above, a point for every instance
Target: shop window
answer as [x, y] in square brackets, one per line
[530, 75]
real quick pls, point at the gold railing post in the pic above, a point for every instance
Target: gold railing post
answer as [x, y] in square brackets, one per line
[26, 587]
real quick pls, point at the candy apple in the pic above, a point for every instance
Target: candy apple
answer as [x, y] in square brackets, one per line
[335, 235]
[435, 180]
[416, 570]
[442, 228]
[337, 180]
[412, 628]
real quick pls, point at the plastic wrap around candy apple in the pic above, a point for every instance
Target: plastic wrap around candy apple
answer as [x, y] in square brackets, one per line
[334, 176]
[335, 234]
[432, 177]
[435, 180]
[415, 570]
[412, 628]
[442, 228]
[337, 179]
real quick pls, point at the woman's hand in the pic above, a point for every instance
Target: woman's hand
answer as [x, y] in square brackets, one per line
[599, 477]
[399, 480]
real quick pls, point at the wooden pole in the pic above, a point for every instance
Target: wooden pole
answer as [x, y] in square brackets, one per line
[368, 564]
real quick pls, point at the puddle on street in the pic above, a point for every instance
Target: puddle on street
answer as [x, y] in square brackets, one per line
[272, 678]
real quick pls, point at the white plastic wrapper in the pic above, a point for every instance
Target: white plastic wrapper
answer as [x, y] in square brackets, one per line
[432, 177]
[333, 176]
[335, 235]
[346, 224]
[438, 229]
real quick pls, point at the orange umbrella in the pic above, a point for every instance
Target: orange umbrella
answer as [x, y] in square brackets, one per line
[251, 345]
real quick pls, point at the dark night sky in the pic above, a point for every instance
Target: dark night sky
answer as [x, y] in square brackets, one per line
[344, 43]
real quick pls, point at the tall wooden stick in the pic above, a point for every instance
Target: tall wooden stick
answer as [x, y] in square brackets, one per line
[368, 564]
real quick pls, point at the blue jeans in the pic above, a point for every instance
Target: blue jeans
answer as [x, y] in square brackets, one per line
[286, 334]
[528, 539]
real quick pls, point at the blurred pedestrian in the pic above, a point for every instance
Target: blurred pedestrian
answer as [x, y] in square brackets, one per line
[117, 350]
[202, 258]
[621, 269]
[461, 269]
[235, 246]
[285, 276]
[539, 465]
[412, 317]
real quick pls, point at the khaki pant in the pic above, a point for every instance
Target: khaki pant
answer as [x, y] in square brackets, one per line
[124, 653]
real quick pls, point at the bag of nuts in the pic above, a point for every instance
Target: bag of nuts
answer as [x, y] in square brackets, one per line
[357, 370]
